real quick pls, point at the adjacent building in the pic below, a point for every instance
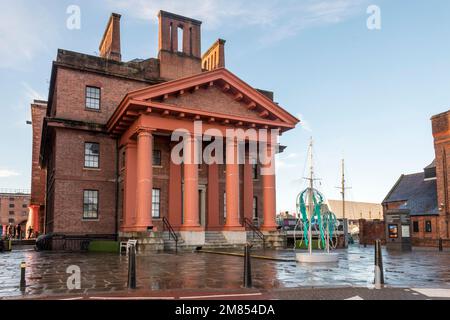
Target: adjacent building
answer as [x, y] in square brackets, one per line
[13, 208]
[102, 146]
[411, 209]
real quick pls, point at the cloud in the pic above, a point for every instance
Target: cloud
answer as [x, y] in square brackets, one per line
[31, 94]
[4, 173]
[304, 123]
[25, 29]
[281, 19]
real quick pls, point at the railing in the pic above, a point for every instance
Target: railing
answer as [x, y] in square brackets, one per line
[248, 224]
[172, 233]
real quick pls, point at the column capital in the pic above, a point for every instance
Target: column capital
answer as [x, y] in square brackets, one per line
[144, 131]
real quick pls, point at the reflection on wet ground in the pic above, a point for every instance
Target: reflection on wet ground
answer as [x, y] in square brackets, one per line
[106, 273]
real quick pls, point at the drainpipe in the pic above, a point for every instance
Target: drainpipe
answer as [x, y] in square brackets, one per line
[117, 191]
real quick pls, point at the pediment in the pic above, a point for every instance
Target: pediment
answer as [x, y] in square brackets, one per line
[217, 95]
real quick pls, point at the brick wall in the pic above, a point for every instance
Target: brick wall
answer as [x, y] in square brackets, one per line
[70, 91]
[369, 231]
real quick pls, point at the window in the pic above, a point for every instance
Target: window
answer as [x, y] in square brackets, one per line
[157, 158]
[180, 35]
[416, 226]
[224, 204]
[91, 155]
[12, 199]
[156, 203]
[11, 213]
[428, 227]
[11, 221]
[255, 208]
[24, 205]
[90, 205]
[255, 172]
[11, 205]
[93, 98]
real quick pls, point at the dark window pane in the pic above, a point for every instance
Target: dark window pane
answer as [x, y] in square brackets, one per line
[157, 158]
[416, 226]
[428, 227]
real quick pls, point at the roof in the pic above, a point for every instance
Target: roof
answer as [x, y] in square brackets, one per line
[419, 195]
[357, 210]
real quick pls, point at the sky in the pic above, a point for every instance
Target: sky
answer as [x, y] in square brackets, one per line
[366, 95]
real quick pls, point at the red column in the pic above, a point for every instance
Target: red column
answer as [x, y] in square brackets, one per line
[248, 190]
[269, 193]
[232, 186]
[213, 196]
[129, 196]
[190, 203]
[175, 195]
[144, 175]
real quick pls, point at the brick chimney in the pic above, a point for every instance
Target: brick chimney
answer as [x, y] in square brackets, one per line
[110, 44]
[215, 56]
[179, 57]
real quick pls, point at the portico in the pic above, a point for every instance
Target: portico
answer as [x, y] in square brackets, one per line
[205, 108]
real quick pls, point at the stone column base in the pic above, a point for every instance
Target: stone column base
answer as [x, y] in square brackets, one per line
[193, 238]
[235, 237]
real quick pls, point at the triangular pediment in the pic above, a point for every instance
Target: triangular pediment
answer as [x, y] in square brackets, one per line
[218, 95]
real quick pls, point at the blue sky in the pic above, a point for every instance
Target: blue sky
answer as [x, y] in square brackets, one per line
[364, 94]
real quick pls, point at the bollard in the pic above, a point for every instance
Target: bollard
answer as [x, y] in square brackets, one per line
[379, 273]
[441, 245]
[23, 282]
[132, 268]
[247, 267]
[9, 245]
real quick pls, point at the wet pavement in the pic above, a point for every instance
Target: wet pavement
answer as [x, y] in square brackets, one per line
[107, 273]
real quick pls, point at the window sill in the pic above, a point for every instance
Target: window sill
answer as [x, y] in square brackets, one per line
[92, 169]
[92, 110]
[158, 167]
[90, 220]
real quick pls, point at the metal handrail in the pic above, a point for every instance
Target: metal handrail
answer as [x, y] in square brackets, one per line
[172, 234]
[249, 224]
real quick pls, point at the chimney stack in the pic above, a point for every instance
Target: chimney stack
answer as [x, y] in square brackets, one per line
[110, 44]
[214, 58]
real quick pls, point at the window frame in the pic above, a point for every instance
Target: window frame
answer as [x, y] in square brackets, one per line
[255, 171]
[156, 204]
[255, 208]
[156, 151]
[96, 218]
[85, 155]
[428, 226]
[99, 98]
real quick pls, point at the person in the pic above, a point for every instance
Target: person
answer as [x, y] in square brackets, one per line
[30, 232]
[13, 234]
[19, 232]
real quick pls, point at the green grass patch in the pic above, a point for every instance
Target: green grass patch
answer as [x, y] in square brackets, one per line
[315, 245]
[104, 246]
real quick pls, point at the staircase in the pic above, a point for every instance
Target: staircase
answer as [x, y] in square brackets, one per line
[169, 242]
[256, 241]
[215, 240]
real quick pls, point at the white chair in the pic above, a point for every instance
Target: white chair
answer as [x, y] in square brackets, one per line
[127, 245]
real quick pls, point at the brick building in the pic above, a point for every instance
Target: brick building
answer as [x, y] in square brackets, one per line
[102, 149]
[414, 197]
[13, 208]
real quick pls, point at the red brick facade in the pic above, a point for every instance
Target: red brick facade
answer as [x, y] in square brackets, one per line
[69, 124]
